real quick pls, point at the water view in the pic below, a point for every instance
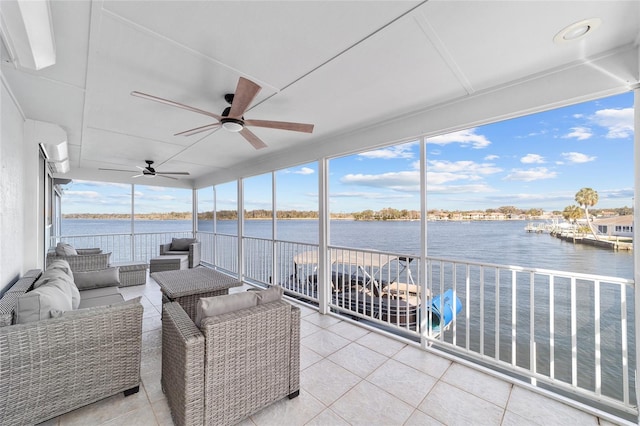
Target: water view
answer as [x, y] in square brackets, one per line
[498, 242]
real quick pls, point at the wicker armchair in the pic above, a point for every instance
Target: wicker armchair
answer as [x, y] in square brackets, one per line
[233, 366]
[83, 262]
[193, 251]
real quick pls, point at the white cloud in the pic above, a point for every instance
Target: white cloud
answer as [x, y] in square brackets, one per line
[532, 158]
[83, 194]
[468, 167]
[578, 115]
[459, 189]
[398, 151]
[304, 171]
[491, 157]
[463, 137]
[619, 122]
[537, 173]
[577, 157]
[579, 133]
[441, 171]
[368, 195]
[398, 181]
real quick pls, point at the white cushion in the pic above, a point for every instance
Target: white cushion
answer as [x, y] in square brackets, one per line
[37, 304]
[60, 278]
[64, 249]
[269, 295]
[218, 305]
[107, 277]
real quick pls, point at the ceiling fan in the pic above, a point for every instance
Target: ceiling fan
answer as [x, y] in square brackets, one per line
[232, 118]
[150, 172]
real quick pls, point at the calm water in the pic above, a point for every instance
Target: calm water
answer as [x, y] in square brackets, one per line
[499, 242]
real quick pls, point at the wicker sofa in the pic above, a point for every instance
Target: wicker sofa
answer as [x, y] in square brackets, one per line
[54, 365]
[183, 246]
[86, 260]
[233, 365]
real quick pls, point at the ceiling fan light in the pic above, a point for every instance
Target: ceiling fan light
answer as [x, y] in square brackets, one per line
[232, 125]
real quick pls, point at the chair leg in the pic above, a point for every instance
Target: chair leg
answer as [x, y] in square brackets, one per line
[131, 391]
[294, 394]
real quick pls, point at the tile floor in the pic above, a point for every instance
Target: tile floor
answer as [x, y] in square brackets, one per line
[349, 376]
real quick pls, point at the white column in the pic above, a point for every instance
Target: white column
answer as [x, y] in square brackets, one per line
[194, 212]
[240, 204]
[323, 238]
[636, 235]
[422, 278]
[275, 272]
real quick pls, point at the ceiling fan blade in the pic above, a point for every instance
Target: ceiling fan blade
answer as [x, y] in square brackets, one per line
[199, 130]
[246, 92]
[283, 125]
[119, 170]
[252, 139]
[173, 173]
[166, 177]
[175, 104]
[135, 176]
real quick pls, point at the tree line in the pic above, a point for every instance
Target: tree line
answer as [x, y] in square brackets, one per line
[570, 213]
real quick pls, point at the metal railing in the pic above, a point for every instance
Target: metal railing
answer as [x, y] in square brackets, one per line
[139, 247]
[568, 331]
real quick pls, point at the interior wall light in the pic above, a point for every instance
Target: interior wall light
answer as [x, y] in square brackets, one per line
[28, 32]
[577, 30]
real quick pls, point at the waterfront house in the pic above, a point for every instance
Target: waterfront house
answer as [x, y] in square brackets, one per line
[615, 226]
[367, 75]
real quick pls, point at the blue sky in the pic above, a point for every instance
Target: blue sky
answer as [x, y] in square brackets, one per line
[537, 161]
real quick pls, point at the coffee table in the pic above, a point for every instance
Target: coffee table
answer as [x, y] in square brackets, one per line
[187, 286]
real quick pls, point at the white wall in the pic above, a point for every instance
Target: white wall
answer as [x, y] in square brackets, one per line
[12, 222]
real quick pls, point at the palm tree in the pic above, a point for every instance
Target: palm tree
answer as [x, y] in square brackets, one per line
[586, 198]
[571, 214]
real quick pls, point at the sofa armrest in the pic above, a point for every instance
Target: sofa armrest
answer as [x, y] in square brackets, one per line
[194, 254]
[164, 248]
[182, 365]
[248, 361]
[53, 366]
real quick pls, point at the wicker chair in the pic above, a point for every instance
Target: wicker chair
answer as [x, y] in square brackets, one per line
[233, 366]
[193, 251]
[83, 262]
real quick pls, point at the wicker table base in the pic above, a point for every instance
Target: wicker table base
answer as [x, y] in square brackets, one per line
[189, 285]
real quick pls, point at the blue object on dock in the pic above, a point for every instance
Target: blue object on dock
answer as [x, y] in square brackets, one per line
[441, 319]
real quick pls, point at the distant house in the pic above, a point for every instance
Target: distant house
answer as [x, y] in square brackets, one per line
[615, 226]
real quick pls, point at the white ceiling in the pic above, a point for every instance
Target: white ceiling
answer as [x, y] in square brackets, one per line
[366, 73]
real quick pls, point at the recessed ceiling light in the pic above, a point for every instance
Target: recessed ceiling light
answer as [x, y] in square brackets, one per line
[577, 30]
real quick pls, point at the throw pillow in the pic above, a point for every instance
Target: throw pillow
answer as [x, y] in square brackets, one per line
[60, 279]
[62, 265]
[89, 251]
[99, 278]
[64, 249]
[181, 244]
[37, 304]
[269, 295]
[218, 305]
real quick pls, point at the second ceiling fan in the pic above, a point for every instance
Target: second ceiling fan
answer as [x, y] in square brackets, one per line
[232, 118]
